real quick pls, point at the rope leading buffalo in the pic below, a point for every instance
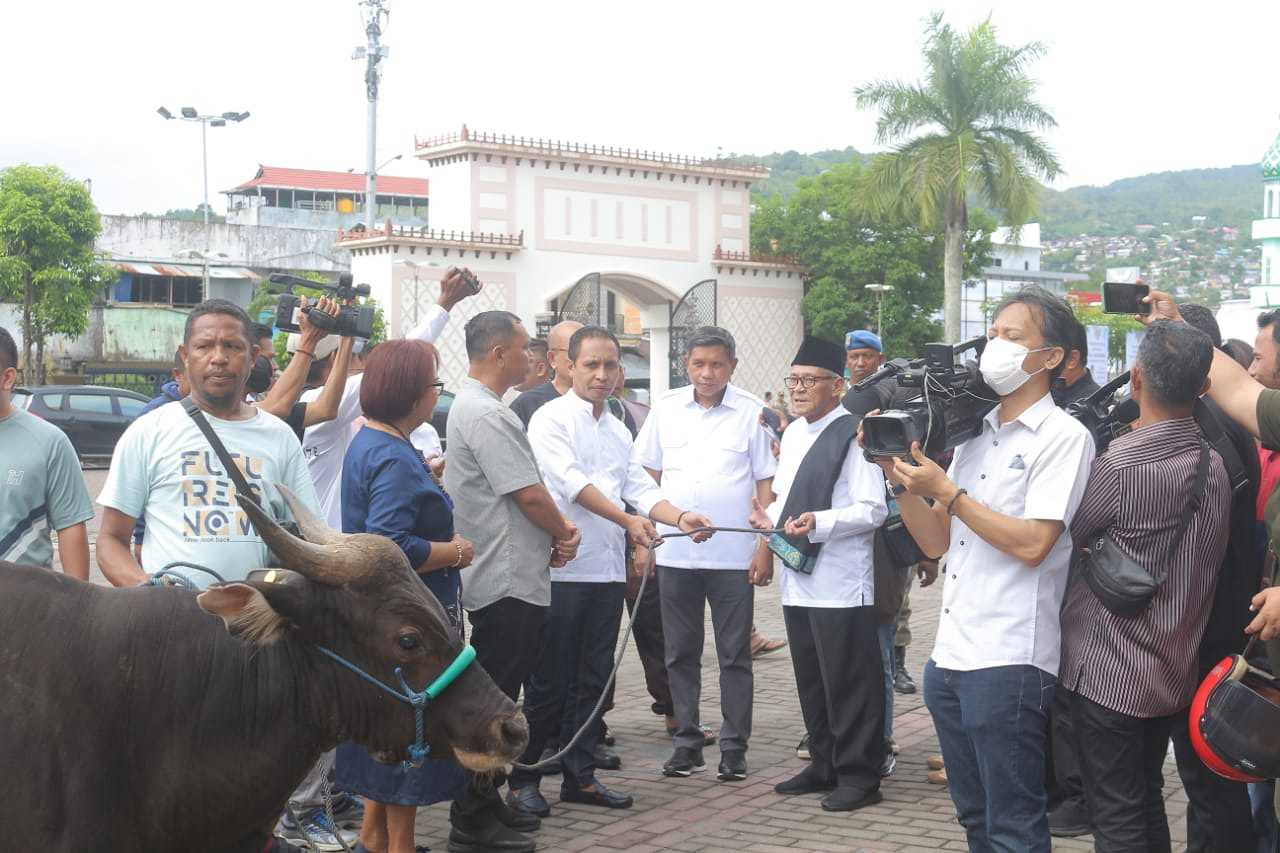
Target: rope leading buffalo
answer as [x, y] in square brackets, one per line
[134, 720]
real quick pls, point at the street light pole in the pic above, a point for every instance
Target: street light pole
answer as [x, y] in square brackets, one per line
[373, 53]
[217, 120]
[880, 290]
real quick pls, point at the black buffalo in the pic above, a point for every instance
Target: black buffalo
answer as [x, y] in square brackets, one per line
[133, 720]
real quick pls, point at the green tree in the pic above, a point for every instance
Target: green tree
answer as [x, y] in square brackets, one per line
[48, 224]
[845, 246]
[975, 105]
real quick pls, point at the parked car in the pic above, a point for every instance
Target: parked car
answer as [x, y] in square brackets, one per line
[93, 416]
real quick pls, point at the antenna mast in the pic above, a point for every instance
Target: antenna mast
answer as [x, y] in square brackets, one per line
[375, 14]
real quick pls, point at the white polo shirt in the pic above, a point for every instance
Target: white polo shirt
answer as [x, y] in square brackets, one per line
[575, 449]
[710, 460]
[996, 609]
[324, 445]
[843, 575]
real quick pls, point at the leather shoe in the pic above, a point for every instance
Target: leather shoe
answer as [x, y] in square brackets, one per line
[605, 758]
[596, 795]
[935, 762]
[529, 801]
[487, 836]
[807, 781]
[937, 777]
[846, 798]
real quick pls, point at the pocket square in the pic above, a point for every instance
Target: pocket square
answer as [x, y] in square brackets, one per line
[1017, 464]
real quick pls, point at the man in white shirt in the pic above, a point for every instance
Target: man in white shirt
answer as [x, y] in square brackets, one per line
[830, 502]
[705, 445]
[585, 455]
[1000, 514]
[324, 445]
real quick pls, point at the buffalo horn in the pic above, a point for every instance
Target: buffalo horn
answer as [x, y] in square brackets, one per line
[333, 563]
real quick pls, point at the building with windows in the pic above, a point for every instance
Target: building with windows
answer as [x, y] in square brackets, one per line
[1267, 232]
[308, 198]
[1015, 262]
[648, 243]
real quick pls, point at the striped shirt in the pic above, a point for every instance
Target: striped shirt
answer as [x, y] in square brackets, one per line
[1145, 666]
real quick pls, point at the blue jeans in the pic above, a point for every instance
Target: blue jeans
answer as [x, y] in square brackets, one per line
[992, 725]
[885, 633]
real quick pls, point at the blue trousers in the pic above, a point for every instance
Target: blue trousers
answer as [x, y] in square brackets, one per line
[992, 725]
[885, 633]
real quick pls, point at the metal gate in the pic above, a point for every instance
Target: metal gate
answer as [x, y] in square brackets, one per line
[695, 309]
[583, 302]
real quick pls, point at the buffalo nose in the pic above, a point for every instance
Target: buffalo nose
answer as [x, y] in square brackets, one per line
[515, 731]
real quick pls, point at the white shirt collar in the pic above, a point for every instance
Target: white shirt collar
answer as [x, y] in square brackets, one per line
[1032, 417]
[582, 405]
[821, 423]
[729, 399]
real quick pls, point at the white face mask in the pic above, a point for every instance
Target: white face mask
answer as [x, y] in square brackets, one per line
[1001, 365]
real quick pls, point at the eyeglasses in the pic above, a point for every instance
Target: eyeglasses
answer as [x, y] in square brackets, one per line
[806, 381]
[439, 386]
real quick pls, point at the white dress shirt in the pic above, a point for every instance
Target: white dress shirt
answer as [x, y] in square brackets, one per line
[843, 575]
[324, 445]
[575, 449]
[996, 609]
[427, 441]
[710, 460]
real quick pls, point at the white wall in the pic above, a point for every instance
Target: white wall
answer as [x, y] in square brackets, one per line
[157, 239]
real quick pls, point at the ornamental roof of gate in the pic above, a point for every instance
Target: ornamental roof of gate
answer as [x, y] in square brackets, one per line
[1271, 161]
[473, 142]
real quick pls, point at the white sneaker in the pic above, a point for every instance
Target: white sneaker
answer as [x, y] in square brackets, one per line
[314, 825]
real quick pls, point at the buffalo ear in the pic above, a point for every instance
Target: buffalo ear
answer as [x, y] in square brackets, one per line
[246, 612]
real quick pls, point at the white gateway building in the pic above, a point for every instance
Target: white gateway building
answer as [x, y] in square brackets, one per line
[643, 243]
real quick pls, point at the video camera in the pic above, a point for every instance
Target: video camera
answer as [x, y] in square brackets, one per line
[352, 320]
[949, 411]
[1105, 415]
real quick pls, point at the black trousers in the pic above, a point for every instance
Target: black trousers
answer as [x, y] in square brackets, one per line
[1122, 765]
[1064, 783]
[508, 636]
[581, 634]
[646, 629]
[840, 678]
[1219, 817]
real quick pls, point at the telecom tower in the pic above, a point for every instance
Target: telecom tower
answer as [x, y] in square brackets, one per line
[375, 14]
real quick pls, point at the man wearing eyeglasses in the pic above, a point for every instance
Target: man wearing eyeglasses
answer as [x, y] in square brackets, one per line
[830, 500]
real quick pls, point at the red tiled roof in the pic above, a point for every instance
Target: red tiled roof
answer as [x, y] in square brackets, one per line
[346, 182]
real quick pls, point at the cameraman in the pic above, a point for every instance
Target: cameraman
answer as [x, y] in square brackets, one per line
[325, 444]
[1000, 514]
[283, 396]
[1162, 496]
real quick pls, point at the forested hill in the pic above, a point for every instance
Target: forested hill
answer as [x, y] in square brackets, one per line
[1228, 196]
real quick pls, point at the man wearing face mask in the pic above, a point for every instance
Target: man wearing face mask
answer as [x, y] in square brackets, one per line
[1000, 513]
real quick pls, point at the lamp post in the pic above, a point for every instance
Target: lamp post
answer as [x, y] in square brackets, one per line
[218, 120]
[880, 290]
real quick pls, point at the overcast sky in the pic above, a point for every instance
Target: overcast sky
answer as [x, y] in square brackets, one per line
[1136, 87]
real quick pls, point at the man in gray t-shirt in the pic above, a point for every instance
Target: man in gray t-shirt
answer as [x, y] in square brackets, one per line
[502, 506]
[41, 487]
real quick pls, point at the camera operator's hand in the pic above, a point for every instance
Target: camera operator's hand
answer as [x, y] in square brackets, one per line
[454, 288]
[885, 462]
[927, 571]
[1267, 623]
[1162, 308]
[926, 478]
[312, 334]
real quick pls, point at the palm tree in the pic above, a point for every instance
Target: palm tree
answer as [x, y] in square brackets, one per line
[977, 107]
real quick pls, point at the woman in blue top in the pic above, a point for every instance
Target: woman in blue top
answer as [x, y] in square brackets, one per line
[387, 489]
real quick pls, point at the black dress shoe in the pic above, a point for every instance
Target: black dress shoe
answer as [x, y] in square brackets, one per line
[846, 798]
[486, 836]
[528, 801]
[596, 795]
[518, 819]
[807, 781]
[605, 758]
[733, 766]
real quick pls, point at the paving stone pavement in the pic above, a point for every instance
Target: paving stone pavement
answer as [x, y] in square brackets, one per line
[702, 815]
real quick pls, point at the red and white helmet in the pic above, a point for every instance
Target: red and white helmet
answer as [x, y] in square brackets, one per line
[1235, 721]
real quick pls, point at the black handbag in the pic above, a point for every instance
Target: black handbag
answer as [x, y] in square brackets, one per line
[1123, 585]
[899, 544]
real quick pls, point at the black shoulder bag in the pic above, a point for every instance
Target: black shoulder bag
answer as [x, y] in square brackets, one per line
[243, 489]
[1123, 585]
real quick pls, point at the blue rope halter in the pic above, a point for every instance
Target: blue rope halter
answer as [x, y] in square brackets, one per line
[418, 700]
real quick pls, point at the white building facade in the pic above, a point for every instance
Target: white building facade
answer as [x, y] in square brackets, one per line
[559, 230]
[1266, 231]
